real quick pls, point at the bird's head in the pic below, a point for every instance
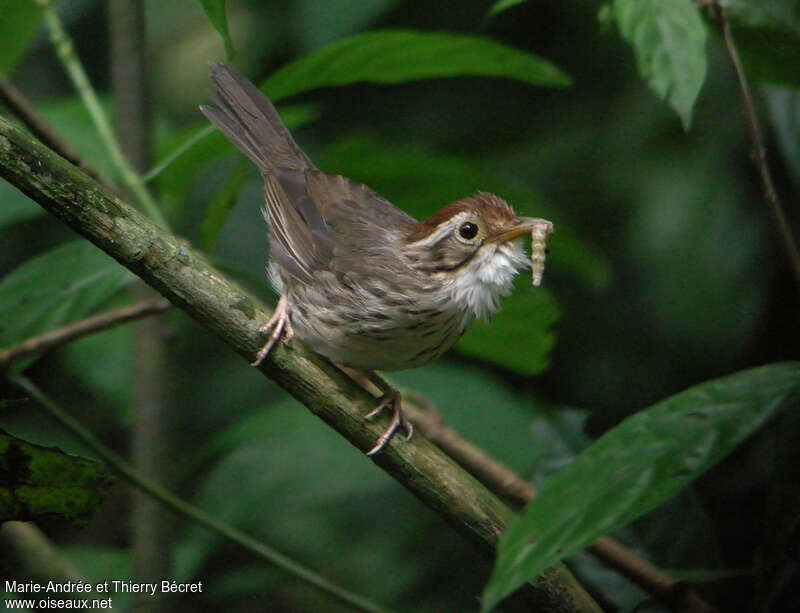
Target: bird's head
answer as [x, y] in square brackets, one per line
[474, 248]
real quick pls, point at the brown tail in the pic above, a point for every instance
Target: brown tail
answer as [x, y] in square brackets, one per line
[251, 123]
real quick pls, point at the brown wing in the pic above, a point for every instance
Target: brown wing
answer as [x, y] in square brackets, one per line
[251, 122]
[348, 221]
[315, 220]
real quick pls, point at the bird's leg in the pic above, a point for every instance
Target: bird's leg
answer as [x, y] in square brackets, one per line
[279, 324]
[391, 399]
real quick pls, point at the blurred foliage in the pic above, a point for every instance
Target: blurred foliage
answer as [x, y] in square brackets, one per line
[215, 10]
[18, 22]
[664, 273]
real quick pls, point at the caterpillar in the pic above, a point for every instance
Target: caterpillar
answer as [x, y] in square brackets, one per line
[539, 235]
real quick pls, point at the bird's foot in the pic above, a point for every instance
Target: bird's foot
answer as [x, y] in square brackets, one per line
[390, 399]
[279, 324]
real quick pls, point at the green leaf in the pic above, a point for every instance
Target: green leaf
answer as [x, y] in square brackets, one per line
[503, 5]
[399, 56]
[18, 22]
[43, 482]
[55, 288]
[215, 11]
[637, 466]
[668, 39]
[520, 337]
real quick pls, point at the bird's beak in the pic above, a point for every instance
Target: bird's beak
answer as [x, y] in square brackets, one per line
[522, 225]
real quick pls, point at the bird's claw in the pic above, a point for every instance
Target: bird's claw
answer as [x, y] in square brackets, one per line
[279, 324]
[390, 399]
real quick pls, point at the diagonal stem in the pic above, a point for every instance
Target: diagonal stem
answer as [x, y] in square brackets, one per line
[66, 53]
[759, 153]
[83, 327]
[182, 507]
[22, 109]
[190, 142]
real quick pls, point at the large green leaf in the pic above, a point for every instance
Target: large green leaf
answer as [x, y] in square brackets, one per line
[18, 22]
[399, 56]
[215, 11]
[668, 38]
[637, 466]
[55, 288]
[44, 482]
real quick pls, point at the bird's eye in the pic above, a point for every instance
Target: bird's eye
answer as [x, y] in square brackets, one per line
[468, 230]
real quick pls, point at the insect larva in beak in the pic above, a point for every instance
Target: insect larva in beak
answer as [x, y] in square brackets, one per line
[539, 234]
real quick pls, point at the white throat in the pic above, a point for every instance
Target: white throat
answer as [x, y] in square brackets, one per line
[488, 277]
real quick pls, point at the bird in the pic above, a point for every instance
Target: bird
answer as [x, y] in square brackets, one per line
[360, 281]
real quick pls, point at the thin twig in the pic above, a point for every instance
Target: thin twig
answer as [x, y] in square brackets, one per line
[758, 152]
[184, 508]
[65, 51]
[22, 109]
[80, 328]
[505, 482]
[178, 152]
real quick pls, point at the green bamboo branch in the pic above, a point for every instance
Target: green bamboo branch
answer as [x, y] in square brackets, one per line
[184, 276]
[182, 507]
[178, 152]
[65, 50]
